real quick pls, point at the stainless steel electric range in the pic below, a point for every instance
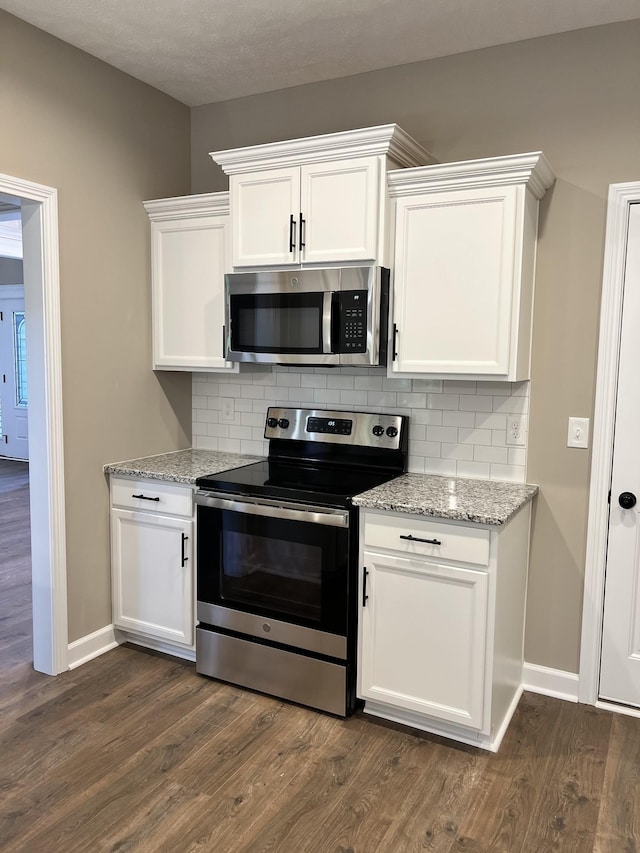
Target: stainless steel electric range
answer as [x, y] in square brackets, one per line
[278, 550]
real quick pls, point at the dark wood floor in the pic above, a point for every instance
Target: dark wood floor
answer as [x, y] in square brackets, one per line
[133, 751]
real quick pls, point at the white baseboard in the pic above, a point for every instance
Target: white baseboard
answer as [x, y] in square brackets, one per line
[550, 682]
[91, 646]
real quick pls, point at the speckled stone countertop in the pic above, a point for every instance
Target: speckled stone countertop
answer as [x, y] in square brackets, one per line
[181, 466]
[462, 499]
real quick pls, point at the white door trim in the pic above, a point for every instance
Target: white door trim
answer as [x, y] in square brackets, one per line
[621, 196]
[46, 464]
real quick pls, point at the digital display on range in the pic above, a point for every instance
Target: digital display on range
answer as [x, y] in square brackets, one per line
[336, 426]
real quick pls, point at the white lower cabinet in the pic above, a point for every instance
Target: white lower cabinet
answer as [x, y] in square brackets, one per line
[441, 623]
[152, 568]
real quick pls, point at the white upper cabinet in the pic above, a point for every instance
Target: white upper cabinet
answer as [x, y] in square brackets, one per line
[465, 243]
[315, 201]
[190, 253]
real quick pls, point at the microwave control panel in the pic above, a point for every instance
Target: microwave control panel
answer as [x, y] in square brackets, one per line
[352, 321]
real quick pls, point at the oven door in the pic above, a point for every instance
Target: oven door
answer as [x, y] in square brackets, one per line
[273, 570]
[280, 327]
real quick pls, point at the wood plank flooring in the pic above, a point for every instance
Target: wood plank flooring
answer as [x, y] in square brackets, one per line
[135, 752]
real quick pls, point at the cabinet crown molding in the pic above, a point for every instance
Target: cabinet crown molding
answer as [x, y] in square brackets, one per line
[203, 204]
[530, 169]
[388, 140]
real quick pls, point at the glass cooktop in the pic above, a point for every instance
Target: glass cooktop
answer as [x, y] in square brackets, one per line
[324, 484]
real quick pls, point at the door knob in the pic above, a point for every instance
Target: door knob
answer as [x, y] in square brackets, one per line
[627, 500]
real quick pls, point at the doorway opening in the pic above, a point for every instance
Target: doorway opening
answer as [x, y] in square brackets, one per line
[39, 214]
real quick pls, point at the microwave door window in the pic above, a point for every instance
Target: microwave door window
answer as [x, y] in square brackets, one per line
[277, 323]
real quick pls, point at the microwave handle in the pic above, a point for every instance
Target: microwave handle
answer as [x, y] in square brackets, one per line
[327, 298]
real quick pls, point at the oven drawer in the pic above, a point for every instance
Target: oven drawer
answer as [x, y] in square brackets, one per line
[416, 536]
[152, 496]
[278, 672]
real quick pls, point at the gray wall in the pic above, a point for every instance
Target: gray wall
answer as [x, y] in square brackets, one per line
[576, 97]
[106, 142]
[10, 271]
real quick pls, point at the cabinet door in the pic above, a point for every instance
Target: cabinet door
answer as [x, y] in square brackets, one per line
[262, 231]
[455, 275]
[340, 206]
[189, 260]
[152, 571]
[423, 638]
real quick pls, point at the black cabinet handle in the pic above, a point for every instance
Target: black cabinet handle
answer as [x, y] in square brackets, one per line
[292, 233]
[417, 539]
[145, 498]
[185, 539]
[364, 586]
[395, 339]
[302, 230]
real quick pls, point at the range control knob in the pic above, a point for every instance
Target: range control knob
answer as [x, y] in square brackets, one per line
[378, 430]
[272, 423]
[283, 423]
[392, 431]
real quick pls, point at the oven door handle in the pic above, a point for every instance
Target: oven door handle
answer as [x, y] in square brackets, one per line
[276, 509]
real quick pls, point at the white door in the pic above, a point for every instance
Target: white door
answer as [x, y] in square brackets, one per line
[455, 267]
[14, 441]
[416, 609]
[620, 660]
[339, 204]
[265, 218]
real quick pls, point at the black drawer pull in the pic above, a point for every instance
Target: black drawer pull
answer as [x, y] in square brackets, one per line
[144, 498]
[364, 586]
[185, 539]
[417, 539]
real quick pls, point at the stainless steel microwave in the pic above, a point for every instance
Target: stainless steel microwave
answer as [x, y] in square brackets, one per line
[336, 316]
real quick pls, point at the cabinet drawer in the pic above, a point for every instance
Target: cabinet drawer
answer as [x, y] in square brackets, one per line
[152, 496]
[446, 541]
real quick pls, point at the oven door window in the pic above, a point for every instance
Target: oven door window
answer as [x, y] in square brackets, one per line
[290, 570]
[285, 323]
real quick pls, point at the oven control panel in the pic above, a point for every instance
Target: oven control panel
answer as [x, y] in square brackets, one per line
[367, 429]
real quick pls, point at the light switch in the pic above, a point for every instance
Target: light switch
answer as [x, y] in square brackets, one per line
[228, 409]
[578, 435]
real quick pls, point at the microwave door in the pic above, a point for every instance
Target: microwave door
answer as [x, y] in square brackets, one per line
[281, 328]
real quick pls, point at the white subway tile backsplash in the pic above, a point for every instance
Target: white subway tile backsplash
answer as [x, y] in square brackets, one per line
[490, 454]
[448, 402]
[474, 469]
[475, 403]
[229, 445]
[459, 386]
[340, 382]
[446, 467]
[457, 451]
[456, 427]
[459, 419]
[409, 400]
[441, 433]
[313, 380]
[367, 383]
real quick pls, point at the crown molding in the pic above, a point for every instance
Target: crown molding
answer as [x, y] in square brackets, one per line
[203, 204]
[530, 169]
[387, 140]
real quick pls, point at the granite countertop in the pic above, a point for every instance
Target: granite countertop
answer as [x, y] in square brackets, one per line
[181, 466]
[462, 499]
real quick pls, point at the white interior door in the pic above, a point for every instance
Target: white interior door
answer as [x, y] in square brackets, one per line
[14, 440]
[620, 659]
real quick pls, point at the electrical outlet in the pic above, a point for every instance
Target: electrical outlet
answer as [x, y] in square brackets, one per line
[228, 409]
[517, 430]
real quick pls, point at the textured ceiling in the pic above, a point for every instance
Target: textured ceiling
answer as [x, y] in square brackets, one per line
[201, 51]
